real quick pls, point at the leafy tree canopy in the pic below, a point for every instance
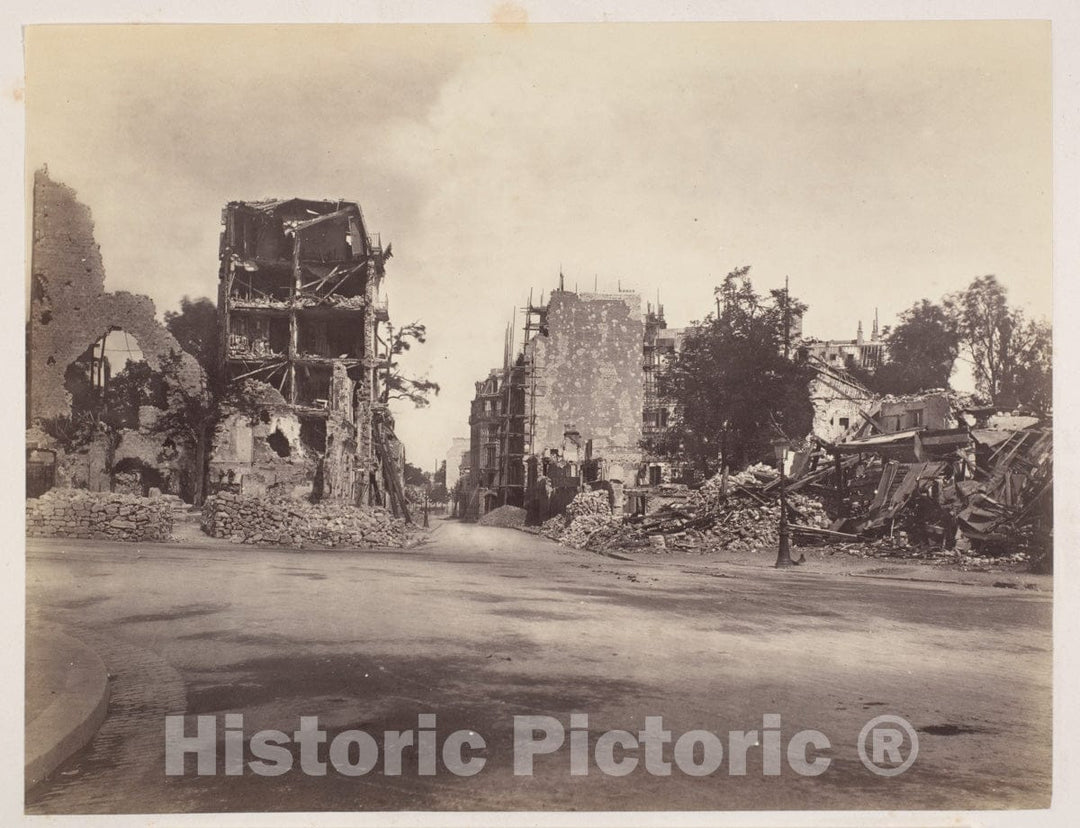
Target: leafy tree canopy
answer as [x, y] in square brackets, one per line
[1011, 355]
[734, 389]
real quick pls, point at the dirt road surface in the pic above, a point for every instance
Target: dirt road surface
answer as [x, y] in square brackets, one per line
[481, 625]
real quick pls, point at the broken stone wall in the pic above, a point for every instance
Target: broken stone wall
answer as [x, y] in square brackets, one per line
[258, 450]
[69, 308]
[836, 406]
[340, 458]
[931, 410]
[69, 312]
[590, 365]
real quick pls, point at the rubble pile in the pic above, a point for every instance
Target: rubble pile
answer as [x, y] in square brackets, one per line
[746, 518]
[254, 520]
[76, 513]
[709, 495]
[587, 514]
[583, 529]
[588, 503]
[747, 526]
[975, 495]
[553, 527]
[509, 517]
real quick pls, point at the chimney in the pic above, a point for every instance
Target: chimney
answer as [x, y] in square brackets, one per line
[859, 336]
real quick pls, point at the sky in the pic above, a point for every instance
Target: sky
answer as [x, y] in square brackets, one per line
[874, 164]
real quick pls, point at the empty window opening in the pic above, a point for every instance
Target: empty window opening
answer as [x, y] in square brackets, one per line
[258, 335]
[263, 285]
[313, 434]
[313, 385]
[279, 443]
[333, 338]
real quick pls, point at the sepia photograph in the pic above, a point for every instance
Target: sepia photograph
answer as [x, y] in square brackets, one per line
[527, 416]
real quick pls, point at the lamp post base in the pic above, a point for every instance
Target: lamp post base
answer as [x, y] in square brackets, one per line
[783, 556]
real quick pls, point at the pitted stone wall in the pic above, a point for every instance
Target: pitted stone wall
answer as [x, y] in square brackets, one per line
[590, 364]
[69, 308]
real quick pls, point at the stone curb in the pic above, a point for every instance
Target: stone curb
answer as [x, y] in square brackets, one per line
[74, 716]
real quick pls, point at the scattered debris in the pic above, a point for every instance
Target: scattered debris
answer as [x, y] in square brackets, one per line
[974, 499]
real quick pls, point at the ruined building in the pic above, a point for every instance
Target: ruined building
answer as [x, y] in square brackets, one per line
[566, 412]
[71, 317]
[497, 440]
[300, 307]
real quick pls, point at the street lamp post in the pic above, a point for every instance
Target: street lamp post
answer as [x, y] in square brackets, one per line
[783, 555]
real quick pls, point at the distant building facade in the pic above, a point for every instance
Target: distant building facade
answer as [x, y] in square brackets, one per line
[840, 353]
[459, 446]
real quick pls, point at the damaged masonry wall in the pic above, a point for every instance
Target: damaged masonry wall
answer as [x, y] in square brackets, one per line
[590, 362]
[838, 403]
[69, 308]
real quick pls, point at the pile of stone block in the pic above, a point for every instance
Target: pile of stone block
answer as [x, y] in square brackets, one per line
[710, 495]
[745, 525]
[254, 520]
[587, 514]
[589, 503]
[76, 513]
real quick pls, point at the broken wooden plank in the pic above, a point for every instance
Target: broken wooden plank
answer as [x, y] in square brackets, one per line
[817, 530]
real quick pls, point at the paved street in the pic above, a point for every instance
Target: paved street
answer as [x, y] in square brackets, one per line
[482, 624]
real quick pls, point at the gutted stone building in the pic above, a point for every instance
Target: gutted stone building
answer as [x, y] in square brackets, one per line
[586, 386]
[566, 412]
[300, 307]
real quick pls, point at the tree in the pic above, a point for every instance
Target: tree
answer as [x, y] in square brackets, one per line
[1032, 382]
[104, 411]
[922, 350]
[195, 327]
[192, 415]
[189, 419]
[398, 386]
[1011, 355]
[135, 386]
[415, 476]
[733, 387]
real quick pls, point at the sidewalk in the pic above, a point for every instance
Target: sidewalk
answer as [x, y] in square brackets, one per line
[67, 695]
